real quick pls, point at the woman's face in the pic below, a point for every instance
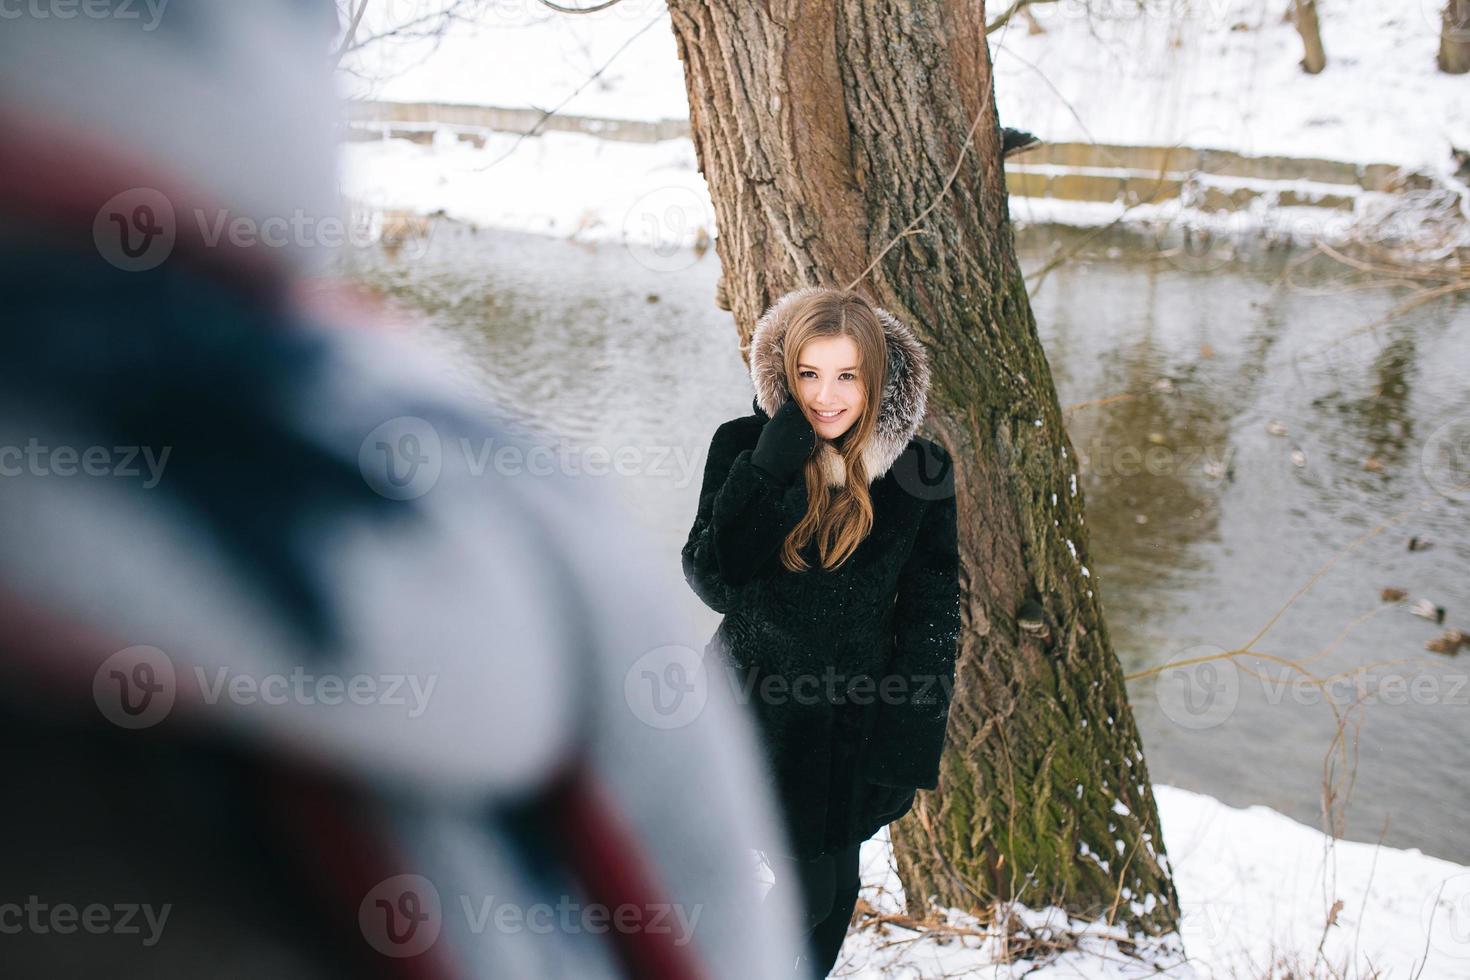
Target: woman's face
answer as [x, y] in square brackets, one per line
[829, 385]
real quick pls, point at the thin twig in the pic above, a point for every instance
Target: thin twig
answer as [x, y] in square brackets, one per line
[1011, 11]
[547, 114]
[346, 44]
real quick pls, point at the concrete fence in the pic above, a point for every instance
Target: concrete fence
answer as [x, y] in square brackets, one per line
[1091, 172]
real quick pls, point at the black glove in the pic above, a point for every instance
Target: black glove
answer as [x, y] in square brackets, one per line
[785, 442]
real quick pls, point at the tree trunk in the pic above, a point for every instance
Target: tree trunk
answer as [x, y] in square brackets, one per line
[1454, 38]
[1314, 58]
[823, 129]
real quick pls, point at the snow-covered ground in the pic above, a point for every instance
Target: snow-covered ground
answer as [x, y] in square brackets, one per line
[1203, 73]
[1225, 74]
[557, 184]
[1255, 887]
[520, 54]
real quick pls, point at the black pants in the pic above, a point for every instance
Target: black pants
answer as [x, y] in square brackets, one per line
[827, 891]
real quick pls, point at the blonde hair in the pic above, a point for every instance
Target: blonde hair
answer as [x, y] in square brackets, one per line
[838, 522]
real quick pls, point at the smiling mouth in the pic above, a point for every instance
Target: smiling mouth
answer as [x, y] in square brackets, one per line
[828, 416]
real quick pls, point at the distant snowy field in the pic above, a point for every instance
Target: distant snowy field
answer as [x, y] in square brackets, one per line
[1205, 73]
[1225, 74]
[1209, 73]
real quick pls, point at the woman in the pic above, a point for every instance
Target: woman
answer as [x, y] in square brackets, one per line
[826, 535]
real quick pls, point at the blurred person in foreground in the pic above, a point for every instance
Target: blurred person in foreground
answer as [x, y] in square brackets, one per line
[286, 689]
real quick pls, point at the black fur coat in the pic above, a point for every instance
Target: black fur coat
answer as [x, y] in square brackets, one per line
[847, 673]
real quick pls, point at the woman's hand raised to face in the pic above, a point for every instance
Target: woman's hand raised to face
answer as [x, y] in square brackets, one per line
[785, 442]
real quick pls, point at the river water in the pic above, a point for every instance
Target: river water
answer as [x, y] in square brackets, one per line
[1238, 430]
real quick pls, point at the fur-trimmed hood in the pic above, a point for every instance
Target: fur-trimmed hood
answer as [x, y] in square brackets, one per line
[905, 390]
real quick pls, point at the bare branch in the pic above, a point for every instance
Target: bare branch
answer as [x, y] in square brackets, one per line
[346, 44]
[430, 25]
[1008, 13]
[548, 113]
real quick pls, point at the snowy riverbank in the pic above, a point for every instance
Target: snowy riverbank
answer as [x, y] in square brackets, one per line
[1254, 887]
[1213, 73]
[1218, 74]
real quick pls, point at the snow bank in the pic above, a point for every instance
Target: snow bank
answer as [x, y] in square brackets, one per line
[1207, 73]
[650, 195]
[520, 54]
[1225, 73]
[1254, 887]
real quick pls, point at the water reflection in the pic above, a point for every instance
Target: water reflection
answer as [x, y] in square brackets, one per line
[1236, 433]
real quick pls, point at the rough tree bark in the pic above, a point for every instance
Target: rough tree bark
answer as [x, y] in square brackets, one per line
[1304, 15]
[1454, 38]
[823, 128]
